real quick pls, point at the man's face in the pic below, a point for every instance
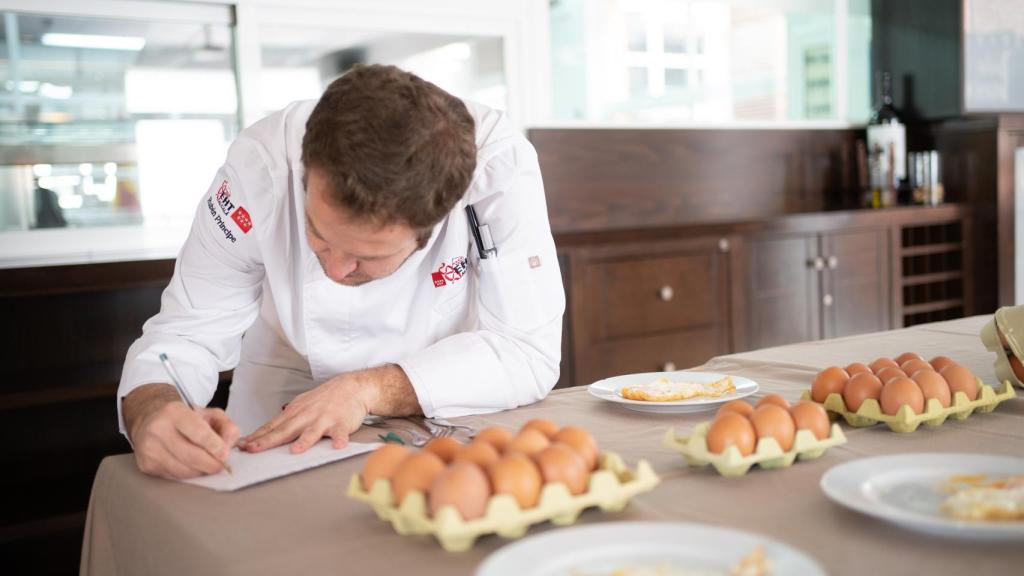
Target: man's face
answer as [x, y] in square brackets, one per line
[352, 251]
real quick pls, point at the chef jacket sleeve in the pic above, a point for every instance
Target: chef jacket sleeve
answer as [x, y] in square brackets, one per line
[512, 358]
[214, 294]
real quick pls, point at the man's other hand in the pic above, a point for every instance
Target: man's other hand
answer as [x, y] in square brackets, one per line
[336, 409]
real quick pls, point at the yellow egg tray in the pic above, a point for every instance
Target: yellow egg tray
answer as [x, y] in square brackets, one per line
[768, 454]
[1005, 320]
[610, 488]
[905, 420]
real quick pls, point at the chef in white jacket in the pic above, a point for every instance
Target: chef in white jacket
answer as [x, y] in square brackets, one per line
[333, 266]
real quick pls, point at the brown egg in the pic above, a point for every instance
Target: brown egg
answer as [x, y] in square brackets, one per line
[940, 362]
[517, 475]
[900, 392]
[774, 422]
[932, 385]
[911, 366]
[857, 367]
[462, 485]
[810, 416]
[731, 430]
[831, 380]
[1016, 366]
[480, 453]
[860, 388]
[882, 363]
[906, 356]
[581, 441]
[383, 463]
[890, 372]
[417, 472]
[738, 406]
[560, 463]
[772, 399]
[495, 436]
[548, 427]
[529, 442]
[445, 448]
[960, 379]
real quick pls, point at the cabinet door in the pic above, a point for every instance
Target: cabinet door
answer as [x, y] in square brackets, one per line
[784, 291]
[857, 290]
[642, 307]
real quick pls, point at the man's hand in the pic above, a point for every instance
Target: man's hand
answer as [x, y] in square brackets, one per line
[336, 408]
[171, 439]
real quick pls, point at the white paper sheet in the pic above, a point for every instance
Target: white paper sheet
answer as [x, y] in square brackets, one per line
[252, 469]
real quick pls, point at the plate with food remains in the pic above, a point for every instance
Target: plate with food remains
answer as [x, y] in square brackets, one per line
[673, 392]
[656, 548]
[972, 496]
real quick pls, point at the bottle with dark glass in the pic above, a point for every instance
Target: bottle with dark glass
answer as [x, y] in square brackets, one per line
[887, 148]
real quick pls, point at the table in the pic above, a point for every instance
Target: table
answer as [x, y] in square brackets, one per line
[304, 523]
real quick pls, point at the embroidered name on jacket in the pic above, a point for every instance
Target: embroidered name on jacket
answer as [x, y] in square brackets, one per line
[450, 273]
[220, 221]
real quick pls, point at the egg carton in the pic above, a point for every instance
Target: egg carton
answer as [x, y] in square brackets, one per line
[610, 488]
[1009, 320]
[767, 454]
[905, 420]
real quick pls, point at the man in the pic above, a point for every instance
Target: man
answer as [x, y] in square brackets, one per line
[332, 265]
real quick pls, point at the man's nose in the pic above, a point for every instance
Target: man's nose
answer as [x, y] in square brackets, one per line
[341, 266]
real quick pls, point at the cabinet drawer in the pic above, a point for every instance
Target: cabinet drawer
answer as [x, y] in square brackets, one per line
[650, 295]
[652, 354]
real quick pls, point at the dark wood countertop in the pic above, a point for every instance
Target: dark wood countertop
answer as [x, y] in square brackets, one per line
[794, 223]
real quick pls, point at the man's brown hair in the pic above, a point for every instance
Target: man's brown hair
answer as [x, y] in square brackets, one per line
[394, 147]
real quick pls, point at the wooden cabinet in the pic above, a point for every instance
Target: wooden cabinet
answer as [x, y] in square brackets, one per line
[645, 307]
[810, 286]
[783, 288]
[645, 303]
[856, 290]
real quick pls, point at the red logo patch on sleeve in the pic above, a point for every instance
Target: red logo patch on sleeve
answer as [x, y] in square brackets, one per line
[241, 217]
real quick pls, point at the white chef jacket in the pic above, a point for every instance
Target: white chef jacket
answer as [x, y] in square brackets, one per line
[473, 335]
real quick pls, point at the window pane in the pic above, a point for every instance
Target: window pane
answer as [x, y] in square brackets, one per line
[676, 78]
[638, 87]
[110, 122]
[636, 32]
[675, 35]
[299, 62]
[710, 61]
[818, 81]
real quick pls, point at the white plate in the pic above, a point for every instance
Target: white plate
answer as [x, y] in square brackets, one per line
[906, 490]
[608, 389]
[677, 547]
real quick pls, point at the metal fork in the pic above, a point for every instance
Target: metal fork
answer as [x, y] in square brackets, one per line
[417, 440]
[438, 430]
[445, 423]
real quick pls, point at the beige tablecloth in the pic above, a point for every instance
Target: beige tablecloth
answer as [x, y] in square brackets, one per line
[303, 524]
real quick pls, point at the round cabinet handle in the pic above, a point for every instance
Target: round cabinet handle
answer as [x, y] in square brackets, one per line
[828, 300]
[666, 293]
[818, 263]
[723, 245]
[833, 262]
[668, 367]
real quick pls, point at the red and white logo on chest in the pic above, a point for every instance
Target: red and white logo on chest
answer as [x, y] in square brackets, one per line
[449, 273]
